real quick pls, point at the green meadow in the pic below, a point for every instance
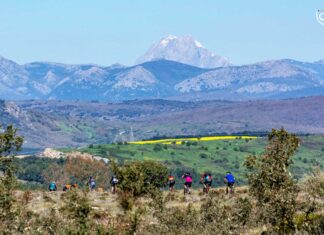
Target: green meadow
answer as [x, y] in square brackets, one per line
[217, 157]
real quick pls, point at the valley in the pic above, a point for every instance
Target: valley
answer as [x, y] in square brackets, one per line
[79, 123]
[197, 157]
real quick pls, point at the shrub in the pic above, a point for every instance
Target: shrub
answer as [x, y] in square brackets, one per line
[271, 183]
[77, 208]
[203, 155]
[141, 177]
[135, 218]
[243, 208]
[177, 221]
[310, 224]
[126, 200]
[216, 216]
[309, 220]
[158, 147]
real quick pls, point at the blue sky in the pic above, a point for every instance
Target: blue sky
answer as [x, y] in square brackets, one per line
[105, 32]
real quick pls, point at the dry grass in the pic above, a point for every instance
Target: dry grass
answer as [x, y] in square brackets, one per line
[107, 210]
[42, 202]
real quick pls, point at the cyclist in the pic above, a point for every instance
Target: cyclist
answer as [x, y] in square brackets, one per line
[52, 187]
[67, 187]
[188, 182]
[91, 183]
[229, 180]
[207, 181]
[171, 182]
[113, 182]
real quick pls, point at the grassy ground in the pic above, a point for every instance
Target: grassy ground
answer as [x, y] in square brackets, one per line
[217, 157]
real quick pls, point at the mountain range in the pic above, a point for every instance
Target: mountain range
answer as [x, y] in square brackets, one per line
[165, 71]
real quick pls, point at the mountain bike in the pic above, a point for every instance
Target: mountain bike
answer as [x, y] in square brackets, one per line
[231, 187]
[187, 188]
[206, 187]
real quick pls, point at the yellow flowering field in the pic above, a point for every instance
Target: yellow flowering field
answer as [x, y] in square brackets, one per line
[180, 140]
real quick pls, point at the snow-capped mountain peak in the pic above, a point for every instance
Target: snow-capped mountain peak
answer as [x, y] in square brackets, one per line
[183, 49]
[165, 41]
[198, 44]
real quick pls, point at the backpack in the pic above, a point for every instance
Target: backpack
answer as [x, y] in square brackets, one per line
[208, 178]
[115, 180]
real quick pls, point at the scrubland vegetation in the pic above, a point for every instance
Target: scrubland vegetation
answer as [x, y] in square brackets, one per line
[273, 202]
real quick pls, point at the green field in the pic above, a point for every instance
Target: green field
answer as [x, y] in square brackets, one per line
[216, 156]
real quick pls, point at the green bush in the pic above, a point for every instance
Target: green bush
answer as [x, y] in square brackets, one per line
[158, 147]
[141, 177]
[203, 155]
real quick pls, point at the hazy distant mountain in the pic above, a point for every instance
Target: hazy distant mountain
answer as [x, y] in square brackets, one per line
[160, 79]
[266, 79]
[184, 49]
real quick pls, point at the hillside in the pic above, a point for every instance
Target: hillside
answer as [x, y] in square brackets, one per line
[151, 209]
[216, 157]
[76, 123]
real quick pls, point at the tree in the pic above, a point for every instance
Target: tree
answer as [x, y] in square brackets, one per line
[10, 143]
[271, 183]
[78, 169]
[55, 172]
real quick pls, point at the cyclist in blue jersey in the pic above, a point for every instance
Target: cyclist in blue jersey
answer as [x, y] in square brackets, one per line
[229, 180]
[52, 187]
